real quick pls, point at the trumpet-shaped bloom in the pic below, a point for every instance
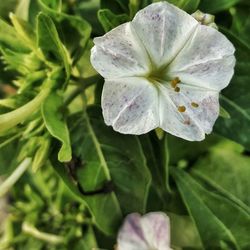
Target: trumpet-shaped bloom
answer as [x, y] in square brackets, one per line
[163, 69]
[149, 232]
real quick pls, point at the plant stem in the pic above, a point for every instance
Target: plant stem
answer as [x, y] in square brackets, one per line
[3, 144]
[12, 118]
[84, 84]
[14, 177]
[51, 238]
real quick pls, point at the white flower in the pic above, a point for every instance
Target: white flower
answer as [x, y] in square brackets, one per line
[149, 232]
[163, 69]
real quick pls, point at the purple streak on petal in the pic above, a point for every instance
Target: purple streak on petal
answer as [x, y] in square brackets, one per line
[135, 226]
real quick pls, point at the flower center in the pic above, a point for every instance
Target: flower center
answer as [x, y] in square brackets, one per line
[159, 76]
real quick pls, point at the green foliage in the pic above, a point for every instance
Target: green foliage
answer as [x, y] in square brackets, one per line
[53, 118]
[109, 20]
[216, 6]
[188, 5]
[109, 168]
[235, 99]
[213, 232]
[49, 42]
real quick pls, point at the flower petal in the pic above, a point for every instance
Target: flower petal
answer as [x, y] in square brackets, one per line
[120, 53]
[151, 231]
[190, 113]
[207, 60]
[164, 29]
[130, 105]
[156, 229]
[131, 236]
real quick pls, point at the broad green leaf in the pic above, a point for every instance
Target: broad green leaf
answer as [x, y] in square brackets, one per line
[213, 232]
[109, 20]
[209, 6]
[56, 125]
[102, 156]
[228, 168]
[236, 97]
[183, 232]
[182, 151]
[50, 43]
[224, 205]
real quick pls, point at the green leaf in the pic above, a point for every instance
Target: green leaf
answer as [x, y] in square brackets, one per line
[184, 234]
[116, 6]
[109, 20]
[24, 31]
[88, 10]
[50, 43]
[228, 168]
[213, 232]
[241, 23]
[189, 6]
[76, 30]
[182, 151]
[102, 156]
[12, 118]
[22, 9]
[53, 4]
[7, 7]
[86, 242]
[8, 38]
[154, 152]
[56, 125]
[41, 155]
[24, 63]
[209, 6]
[236, 97]
[224, 205]
[8, 153]
[224, 113]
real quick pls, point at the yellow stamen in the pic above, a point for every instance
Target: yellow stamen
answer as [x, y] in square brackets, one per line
[177, 89]
[175, 81]
[194, 104]
[181, 109]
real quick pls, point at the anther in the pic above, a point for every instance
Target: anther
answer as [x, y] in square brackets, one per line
[175, 81]
[177, 89]
[181, 109]
[194, 104]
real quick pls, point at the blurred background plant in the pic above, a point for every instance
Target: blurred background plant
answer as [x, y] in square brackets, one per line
[67, 180]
